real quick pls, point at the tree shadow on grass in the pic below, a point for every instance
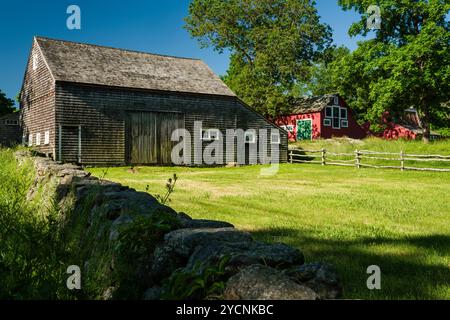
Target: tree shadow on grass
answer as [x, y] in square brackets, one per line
[413, 267]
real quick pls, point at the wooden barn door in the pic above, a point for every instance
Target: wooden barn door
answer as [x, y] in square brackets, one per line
[149, 136]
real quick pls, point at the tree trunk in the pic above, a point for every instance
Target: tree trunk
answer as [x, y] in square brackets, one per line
[425, 122]
[426, 133]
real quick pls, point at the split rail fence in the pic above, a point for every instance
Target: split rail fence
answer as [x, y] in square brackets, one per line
[360, 159]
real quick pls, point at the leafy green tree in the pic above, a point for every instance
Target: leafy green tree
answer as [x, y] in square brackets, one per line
[273, 45]
[406, 64]
[326, 73]
[6, 105]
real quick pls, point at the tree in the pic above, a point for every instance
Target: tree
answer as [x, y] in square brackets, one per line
[273, 45]
[326, 73]
[406, 64]
[6, 105]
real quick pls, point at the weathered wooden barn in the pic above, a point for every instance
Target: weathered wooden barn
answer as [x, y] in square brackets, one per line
[10, 130]
[99, 105]
[324, 117]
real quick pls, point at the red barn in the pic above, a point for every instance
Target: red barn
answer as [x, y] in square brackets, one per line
[408, 127]
[324, 116]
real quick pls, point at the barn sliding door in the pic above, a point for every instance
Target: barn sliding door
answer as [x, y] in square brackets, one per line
[149, 136]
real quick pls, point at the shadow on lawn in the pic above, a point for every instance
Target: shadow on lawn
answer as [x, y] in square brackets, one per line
[405, 275]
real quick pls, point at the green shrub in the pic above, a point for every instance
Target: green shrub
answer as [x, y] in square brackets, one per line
[207, 283]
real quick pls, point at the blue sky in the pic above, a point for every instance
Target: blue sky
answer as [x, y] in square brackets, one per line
[146, 25]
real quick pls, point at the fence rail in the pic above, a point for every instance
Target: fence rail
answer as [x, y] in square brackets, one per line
[356, 159]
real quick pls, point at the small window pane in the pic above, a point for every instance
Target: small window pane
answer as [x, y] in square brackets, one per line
[336, 123]
[344, 124]
[336, 101]
[250, 137]
[275, 138]
[327, 122]
[30, 140]
[47, 137]
[343, 113]
[38, 139]
[328, 112]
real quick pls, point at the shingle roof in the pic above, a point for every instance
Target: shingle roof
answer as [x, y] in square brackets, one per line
[311, 104]
[93, 64]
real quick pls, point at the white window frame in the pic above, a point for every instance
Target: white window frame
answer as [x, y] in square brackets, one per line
[30, 140]
[344, 123]
[338, 117]
[336, 100]
[346, 114]
[331, 112]
[275, 134]
[47, 138]
[327, 122]
[206, 134]
[10, 122]
[35, 59]
[251, 133]
[288, 128]
[38, 139]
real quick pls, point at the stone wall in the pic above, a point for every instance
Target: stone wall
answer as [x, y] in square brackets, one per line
[128, 245]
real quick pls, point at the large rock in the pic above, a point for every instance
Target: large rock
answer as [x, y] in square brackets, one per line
[184, 241]
[321, 277]
[241, 254]
[259, 282]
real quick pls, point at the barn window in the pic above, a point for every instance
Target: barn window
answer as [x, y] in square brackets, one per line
[9, 122]
[47, 137]
[344, 123]
[327, 122]
[336, 119]
[35, 61]
[336, 101]
[288, 128]
[210, 135]
[328, 112]
[275, 138]
[250, 136]
[30, 140]
[38, 139]
[343, 113]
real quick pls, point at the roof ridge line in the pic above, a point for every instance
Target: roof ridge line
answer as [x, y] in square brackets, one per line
[121, 49]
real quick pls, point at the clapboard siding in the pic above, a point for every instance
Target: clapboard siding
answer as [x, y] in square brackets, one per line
[38, 102]
[102, 114]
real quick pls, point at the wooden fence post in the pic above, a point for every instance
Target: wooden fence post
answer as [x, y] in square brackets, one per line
[402, 161]
[357, 159]
[323, 156]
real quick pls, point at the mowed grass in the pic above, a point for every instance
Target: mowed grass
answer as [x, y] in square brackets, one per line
[352, 218]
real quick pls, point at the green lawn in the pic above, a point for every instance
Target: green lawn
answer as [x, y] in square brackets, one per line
[352, 218]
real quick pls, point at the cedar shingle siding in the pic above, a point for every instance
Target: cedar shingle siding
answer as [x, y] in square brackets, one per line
[100, 105]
